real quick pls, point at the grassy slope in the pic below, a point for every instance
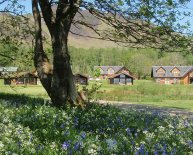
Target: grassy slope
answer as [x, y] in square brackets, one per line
[143, 92]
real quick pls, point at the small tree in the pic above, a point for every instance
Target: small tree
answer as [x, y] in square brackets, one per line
[97, 72]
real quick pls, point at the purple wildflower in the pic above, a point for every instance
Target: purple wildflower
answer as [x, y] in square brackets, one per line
[142, 149]
[19, 144]
[128, 131]
[62, 126]
[77, 146]
[65, 145]
[83, 135]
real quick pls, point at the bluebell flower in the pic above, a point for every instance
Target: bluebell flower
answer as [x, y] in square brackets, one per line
[66, 133]
[77, 146]
[186, 123]
[164, 153]
[31, 138]
[83, 135]
[190, 143]
[128, 131]
[19, 131]
[165, 146]
[156, 153]
[40, 147]
[76, 121]
[112, 144]
[62, 126]
[136, 134]
[19, 144]
[65, 145]
[142, 149]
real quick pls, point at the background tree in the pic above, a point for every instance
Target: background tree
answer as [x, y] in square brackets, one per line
[97, 72]
[15, 33]
[140, 65]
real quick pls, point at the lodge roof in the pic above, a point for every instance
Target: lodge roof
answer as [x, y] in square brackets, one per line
[115, 75]
[18, 75]
[8, 69]
[105, 68]
[80, 74]
[183, 70]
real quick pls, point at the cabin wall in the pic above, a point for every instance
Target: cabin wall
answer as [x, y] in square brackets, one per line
[121, 80]
[185, 80]
[172, 80]
[21, 81]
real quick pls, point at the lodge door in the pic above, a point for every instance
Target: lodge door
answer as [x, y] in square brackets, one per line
[191, 81]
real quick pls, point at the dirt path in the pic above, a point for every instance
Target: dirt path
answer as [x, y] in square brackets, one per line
[171, 111]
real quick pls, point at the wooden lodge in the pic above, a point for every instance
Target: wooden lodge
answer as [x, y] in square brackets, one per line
[22, 78]
[121, 78]
[106, 71]
[7, 70]
[81, 79]
[173, 74]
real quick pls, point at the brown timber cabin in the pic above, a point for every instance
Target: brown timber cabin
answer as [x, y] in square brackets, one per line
[22, 78]
[107, 71]
[81, 79]
[121, 78]
[173, 74]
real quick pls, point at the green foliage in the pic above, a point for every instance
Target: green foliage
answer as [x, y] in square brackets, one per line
[91, 91]
[97, 72]
[29, 127]
[16, 55]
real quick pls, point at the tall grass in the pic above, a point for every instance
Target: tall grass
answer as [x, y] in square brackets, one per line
[145, 91]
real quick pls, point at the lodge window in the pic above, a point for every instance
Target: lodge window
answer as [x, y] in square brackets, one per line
[122, 80]
[128, 80]
[111, 71]
[161, 72]
[20, 81]
[116, 80]
[122, 76]
[176, 73]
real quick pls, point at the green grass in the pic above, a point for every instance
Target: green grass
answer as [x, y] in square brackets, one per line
[149, 93]
[1, 82]
[33, 91]
[142, 92]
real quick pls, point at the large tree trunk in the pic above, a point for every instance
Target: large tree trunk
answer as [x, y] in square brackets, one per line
[63, 86]
[57, 79]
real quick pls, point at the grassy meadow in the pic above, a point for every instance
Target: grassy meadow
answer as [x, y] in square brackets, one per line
[29, 126]
[149, 93]
[145, 92]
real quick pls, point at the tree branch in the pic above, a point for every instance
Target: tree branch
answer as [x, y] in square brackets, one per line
[47, 14]
[7, 56]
